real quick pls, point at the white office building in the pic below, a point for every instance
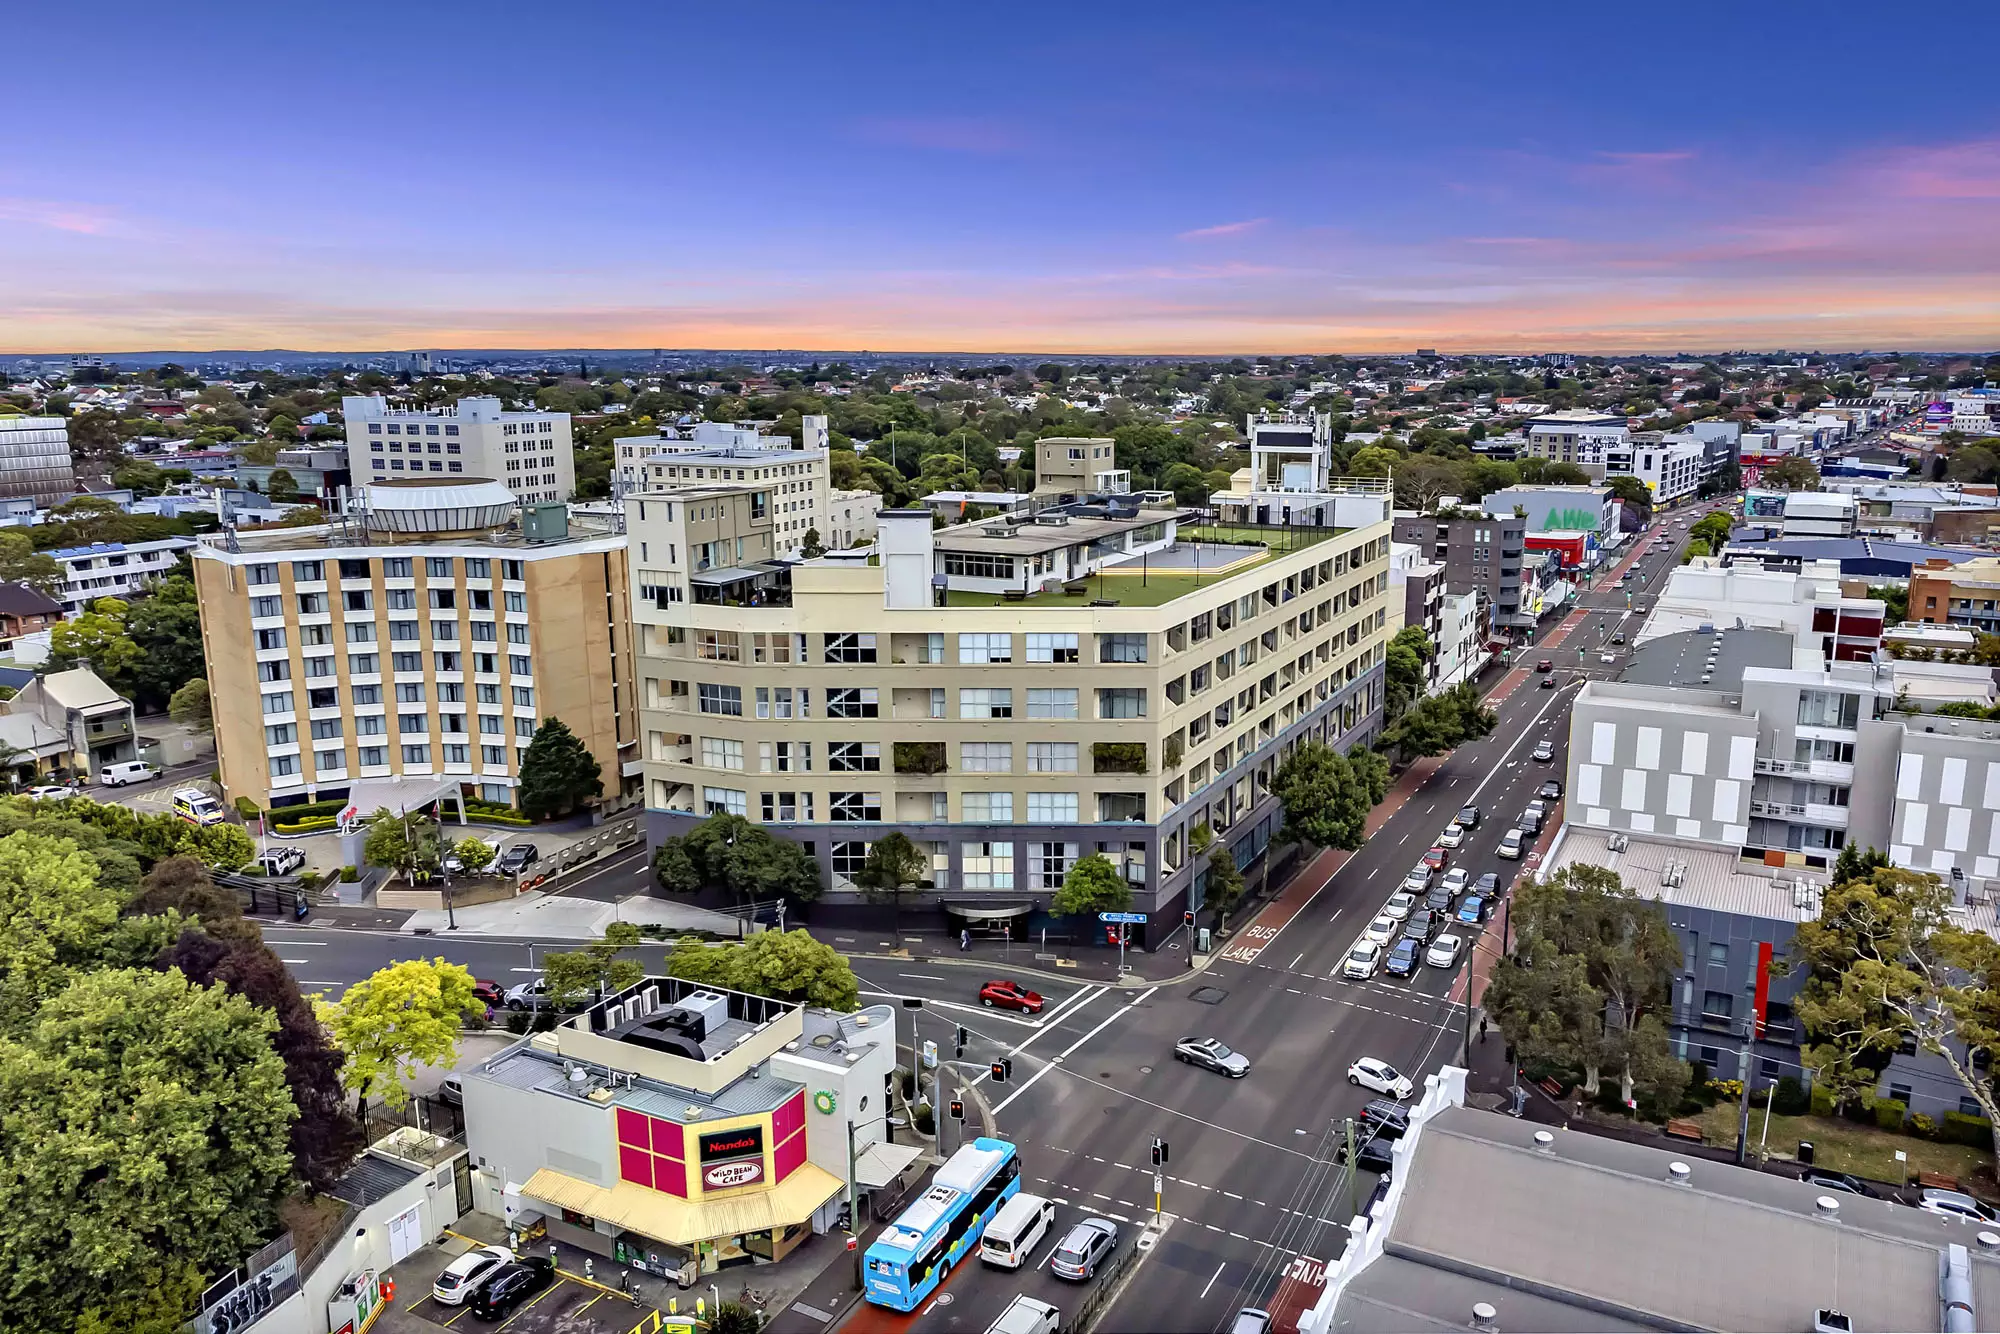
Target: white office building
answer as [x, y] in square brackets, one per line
[530, 453]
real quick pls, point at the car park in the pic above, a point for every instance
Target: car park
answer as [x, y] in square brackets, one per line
[510, 1285]
[1003, 995]
[1362, 960]
[1423, 924]
[1473, 911]
[463, 1275]
[1382, 930]
[1210, 1054]
[1469, 816]
[1512, 843]
[1083, 1248]
[1545, 750]
[1443, 952]
[1380, 1076]
[1551, 790]
[1403, 958]
[1452, 835]
[1400, 905]
[1436, 858]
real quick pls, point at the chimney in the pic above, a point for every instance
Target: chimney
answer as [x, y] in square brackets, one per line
[904, 539]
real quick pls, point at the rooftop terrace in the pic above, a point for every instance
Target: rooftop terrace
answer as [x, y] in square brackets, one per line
[1204, 555]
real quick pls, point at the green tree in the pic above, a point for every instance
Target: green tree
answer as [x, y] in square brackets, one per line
[20, 563]
[1854, 864]
[1223, 887]
[405, 1015]
[190, 706]
[1895, 599]
[97, 637]
[748, 860]
[145, 1133]
[894, 865]
[165, 625]
[1633, 492]
[282, 487]
[1327, 796]
[1887, 968]
[674, 868]
[734, 1318]
[1437, 723]
[789, 965]
[595, 970]
[55, 916]
[1404, 669]
[558, 772]
[411, 845]
[139, 477]
[1374, 461]
[812, 548]
[1092, 885]
[473, 855]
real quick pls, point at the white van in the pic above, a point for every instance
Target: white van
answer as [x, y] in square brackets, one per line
[1015, 1231]
[197, 807]
[127, 771]
[1027, 1315]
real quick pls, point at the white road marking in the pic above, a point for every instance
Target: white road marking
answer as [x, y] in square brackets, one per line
[1032, 1079]
[1211, 1282]
[284, 960]
[921, 977]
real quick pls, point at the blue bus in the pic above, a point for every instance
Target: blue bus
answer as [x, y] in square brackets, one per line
[915, 1253]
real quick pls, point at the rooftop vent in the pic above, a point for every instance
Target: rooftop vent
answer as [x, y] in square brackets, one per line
[1990, 1240]
[1679, 1173]
[1826, 1320]
[1484, 1317]
[1544, 1142]
[1828, 1206]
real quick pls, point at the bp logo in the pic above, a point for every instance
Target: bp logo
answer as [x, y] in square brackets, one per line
[824, 1102]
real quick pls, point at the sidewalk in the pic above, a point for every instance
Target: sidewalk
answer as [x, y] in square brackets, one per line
[545, 916]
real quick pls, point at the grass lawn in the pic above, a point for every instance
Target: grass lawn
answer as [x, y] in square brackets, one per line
[1844, 1146]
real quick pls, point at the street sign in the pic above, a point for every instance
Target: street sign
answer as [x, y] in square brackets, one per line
[1132, 918]
[930, 1055]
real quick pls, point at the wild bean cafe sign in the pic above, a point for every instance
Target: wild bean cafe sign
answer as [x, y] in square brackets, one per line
[732, 1158]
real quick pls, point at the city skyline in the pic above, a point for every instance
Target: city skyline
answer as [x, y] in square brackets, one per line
[1063, 182]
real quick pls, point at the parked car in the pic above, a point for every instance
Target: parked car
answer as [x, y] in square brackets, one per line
[1003, 995]
[1402, 960]
[1362, 961]
[1473, 911]
[1452, 836]
[50, 792]
[1210, 1054]
[1443, 952]
[517, 858]
[1381, 931]
[455, 864]
[510, 1285]
[1829, 1180]
[489, 991]
[1083, 1248]
[127, 771]
[465, 1273]
[197, 807]
[1955, 1204]
[1511, 844]
[531, 994]
[280, 861]
[1385, 1118]
[1423, 924]
[1552, 790]
[1487, 885]
[452, 1090]
[1371, 1154]
[1400, 905]
[1544, 751]
[1380, 1076]
[1536, 809]
[1455, 880]
[1529, 823]
[1469, 816]
[1436, 857]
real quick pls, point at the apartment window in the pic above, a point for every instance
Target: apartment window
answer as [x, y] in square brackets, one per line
[516, 602]
[484, 632]
[1052, 807]
[495, 756]
[986, 757]
[444, 599]
[363, 664]
[448, 662]
[786, 757]
[776, 648]
[1048, 863]
[438, 567]
[410, 692]
[373, 755]
[406, 662]
[1121, 703]
[1718, 954]
[517, 634]
[278, 701]
[721, 753]
[1829, 708]
[720, 699]
[403, 631]
[308, 571]
[361, 632]
[417, 755]
[446, 630]
[854, 756]
[518, 664]
[986, 865]
[267, 606]
[1198, 679]
[847, 807]
[1121, 648]
[263, 573]
[974, 650]
[985, 703]
[786, 807]
[368, 694]
[417, 723]
[787, 702]
[524, 729]
[988, 807]
[724, 801]
[269, 639]
[453, 753]
[477, 567]
[283, 766]
[274, 671]
[524, 697]
[850, 648]
[489, 724]
[512, 570]
[329, 761]
[1052, 757]
[280, 734]
[402, 599]
[858, 702]
[1048, 648]
[312, 604]
[396, 567]
[489, 694]
[1717, 1004]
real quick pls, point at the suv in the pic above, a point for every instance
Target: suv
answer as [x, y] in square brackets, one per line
[1385, 1118]
[517, 859]
[1469, 816]
[1423, 924]
[1545, 750]
[281, 861]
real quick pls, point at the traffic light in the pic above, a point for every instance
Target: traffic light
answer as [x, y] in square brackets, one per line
[1003, 1069]
[962, 1035]
[1187, 919]
[958, 1109]
[1159, 1152]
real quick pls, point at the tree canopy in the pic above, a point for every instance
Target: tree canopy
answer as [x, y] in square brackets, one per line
[558, 772]
[790, 965]
[1327, 795]
[1091, 885]
[403, 1016]
[748, 860]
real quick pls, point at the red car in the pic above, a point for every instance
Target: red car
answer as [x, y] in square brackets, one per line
[1010, 996]
[1436, 858]
[490, 992]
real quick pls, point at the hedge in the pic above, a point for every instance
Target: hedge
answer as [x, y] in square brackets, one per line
[312, 824]
[1889, 1113]
[500, 817]
[305, 811]
[1963, 1128]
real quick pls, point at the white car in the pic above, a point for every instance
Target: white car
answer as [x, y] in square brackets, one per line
[1362, 960]
[1512, 844]
[1544, 751]
[1607, 657]
[1443, 952]
[1453, 835]
[1400, 905]
[50, 792]
[1456, 880]
[1380, 1076]
[1954, 1204]
[1382, 930]
[461, 1278]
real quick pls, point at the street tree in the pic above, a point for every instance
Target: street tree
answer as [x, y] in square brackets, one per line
[473, 855]
[1886, 968]
[1633, 492]
[410, 845]
[598, 969]
[403, 1016]
[674, 869]
[191, 707]
[145, 1138]
[1091, 885]
[1223, 887]
[1404, 667]
[558, 772]
[894, 865]
[1438, 723]
[790, 965]
[748, 860]
[1327, 796]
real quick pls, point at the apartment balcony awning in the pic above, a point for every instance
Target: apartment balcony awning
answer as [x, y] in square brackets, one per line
[734, 574]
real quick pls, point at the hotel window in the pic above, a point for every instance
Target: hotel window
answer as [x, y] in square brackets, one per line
[720, 699]
[267, 606]
[787, 807]
[448, 662]
[493, 755]
[985, 703]
[274, 671]
[444, 599]
[373, 755]
[406, 662]
[396, 567]
[417, 755]
[986, 757]
[269, 639]
[402, 599]
[477, 567]
[403, 631]
[517, 663]
[308, 571]
[410, 692]
[1052, 757]
[413, 724]
[278, 701]
[850, 648]
[1057, 703]
[368, 694]
[263, 573]
[1052, 807]
[1048, 863]
[854, 756]
[974, 650]
[524, 697]
[280, 734]
[721, 753]
[988, 807]
[846, 807]
[484, 632]
[283, 766]
[724, 801]
[859, 702]
[517, 634]
[524, 729]
[329, 761]
[986, 865]
[438, 567]
[787, 757]
[1049, 648]
[363, 664]
[361, 632]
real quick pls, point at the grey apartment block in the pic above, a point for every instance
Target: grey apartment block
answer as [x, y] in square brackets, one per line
[1947, 798]
[1480, 553]
[1654, 760]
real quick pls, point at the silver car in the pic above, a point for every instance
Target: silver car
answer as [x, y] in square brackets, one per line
[1212, 1055]
[1083, 1248]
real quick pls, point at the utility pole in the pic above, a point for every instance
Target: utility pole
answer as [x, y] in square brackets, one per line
[1353, 1171]
[1743, 1125]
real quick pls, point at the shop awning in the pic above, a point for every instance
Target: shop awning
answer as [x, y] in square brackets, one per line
[681, 1222]
[880, 1163]
[987, 912]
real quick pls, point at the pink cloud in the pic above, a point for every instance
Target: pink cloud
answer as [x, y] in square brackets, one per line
[1223, 229]
[1660, 159]
[1950, 171]
[81, 219]
[945, 134]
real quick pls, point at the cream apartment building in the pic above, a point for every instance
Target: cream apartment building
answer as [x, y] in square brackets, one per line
[1011, 694]
[427, 635]
[529, 453]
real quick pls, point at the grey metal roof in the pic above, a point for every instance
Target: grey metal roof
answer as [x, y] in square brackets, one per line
[1594, 1225]
[1681, 659]
[523, 1067]
[372, 1179]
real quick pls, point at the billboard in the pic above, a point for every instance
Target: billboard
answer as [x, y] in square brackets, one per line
[1937, 416]
[1764, 505]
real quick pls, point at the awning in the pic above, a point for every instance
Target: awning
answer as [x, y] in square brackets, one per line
[733, 574]
[682, 1222]
[983, 912]
[881, 1162]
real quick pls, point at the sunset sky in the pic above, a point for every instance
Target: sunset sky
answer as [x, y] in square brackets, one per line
[1118, 178]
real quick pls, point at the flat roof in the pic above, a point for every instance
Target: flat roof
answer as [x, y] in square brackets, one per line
[1034, 539]
[1681, 659]
[329, 539]
[1709, 877]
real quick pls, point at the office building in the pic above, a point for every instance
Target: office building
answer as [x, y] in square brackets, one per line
[425, 636]
[1481, 553]
[1967, 593]
[529, 453]
[1803, 513]
[630, 453]
[1011, 694]
[34, 458]
[1671, 466]
[1416, 598]
[1560, 509]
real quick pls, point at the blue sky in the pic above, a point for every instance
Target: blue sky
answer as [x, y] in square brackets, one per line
[1121, 178]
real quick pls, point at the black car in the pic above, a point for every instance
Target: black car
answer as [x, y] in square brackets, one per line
[1820, 1176]
[1549, 681]
[511, 1285]
[1551, 790]
[1422, 925]
[1386, 1118]
[1403, 957]
[1469, 816]
[1486, 886]
[1438, 899]
[1529, 823]
[1371, 1153]
[518, 858]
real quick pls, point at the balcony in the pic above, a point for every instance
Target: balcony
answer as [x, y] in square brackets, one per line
[115, 730]
[1825, 771]
[1834, 817]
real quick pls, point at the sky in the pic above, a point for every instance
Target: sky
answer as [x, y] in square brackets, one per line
[1159, 178]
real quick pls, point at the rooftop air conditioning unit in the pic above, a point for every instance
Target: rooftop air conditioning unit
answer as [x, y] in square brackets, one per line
[712, 1006]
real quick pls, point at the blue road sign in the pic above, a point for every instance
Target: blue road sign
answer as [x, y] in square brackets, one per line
[1135, 918]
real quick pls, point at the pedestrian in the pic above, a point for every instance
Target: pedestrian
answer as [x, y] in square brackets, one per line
[1482, 1030]
[964, 939]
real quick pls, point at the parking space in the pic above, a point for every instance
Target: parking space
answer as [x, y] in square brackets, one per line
[568, 1306]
